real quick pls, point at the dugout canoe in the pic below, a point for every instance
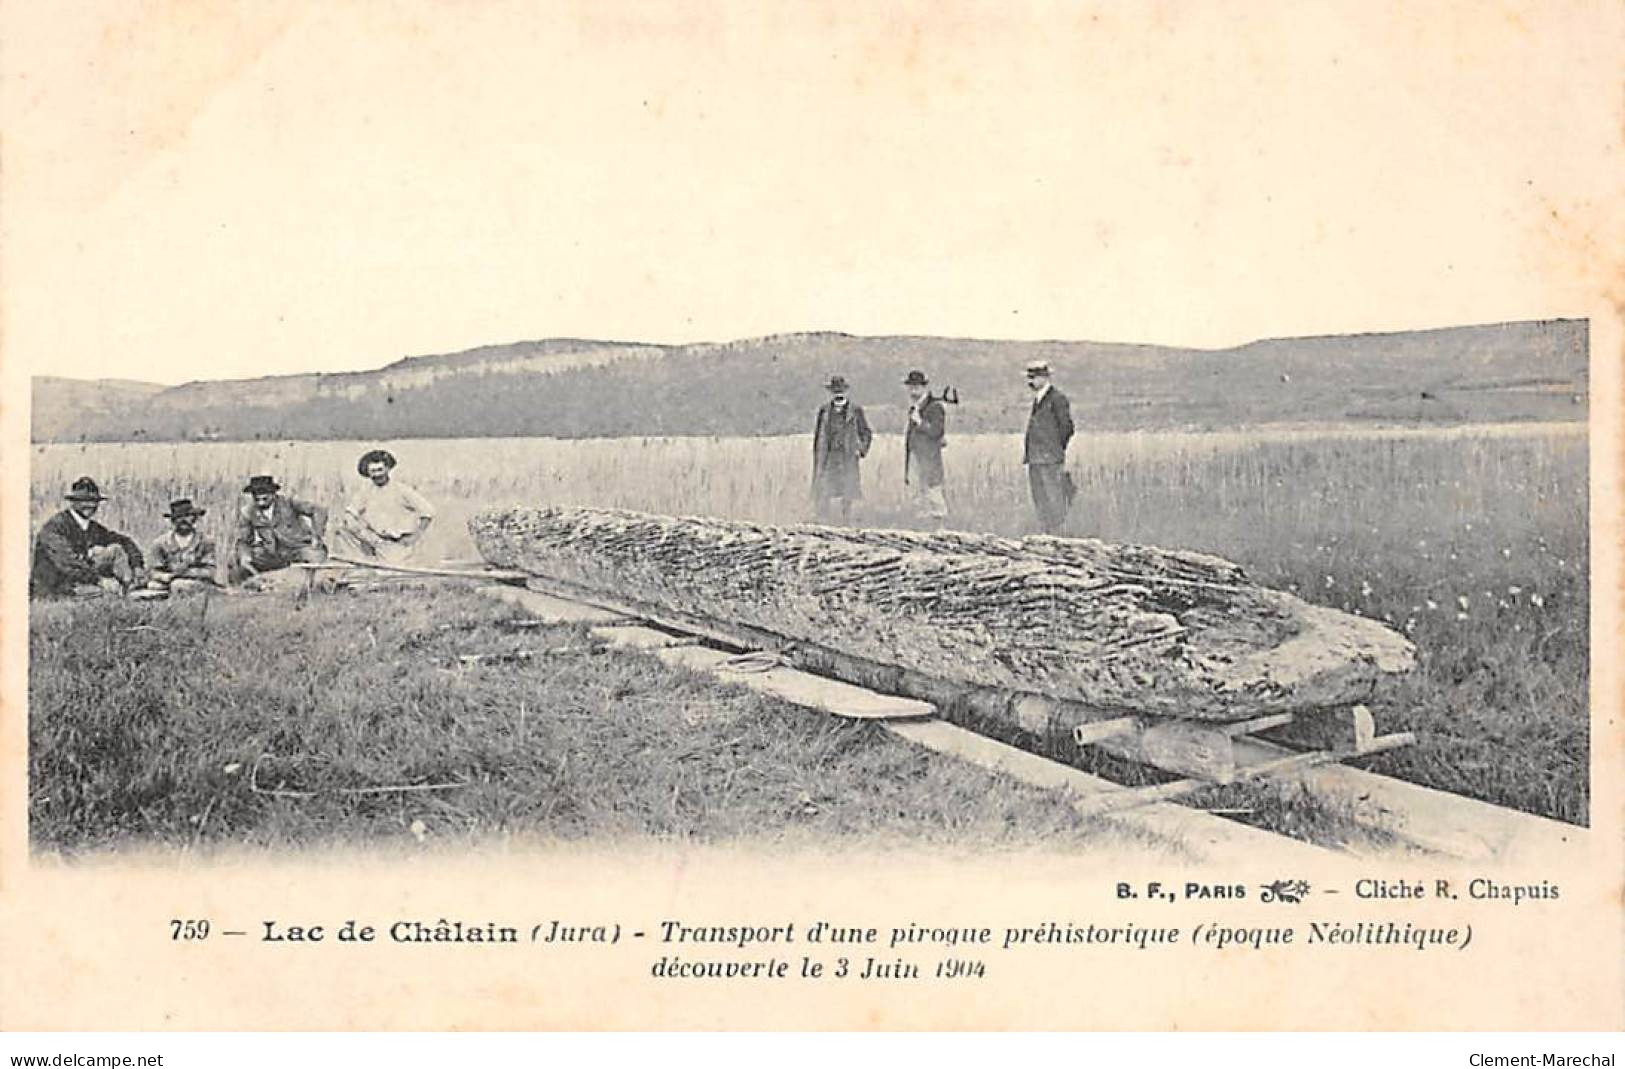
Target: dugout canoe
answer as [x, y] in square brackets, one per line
[1133, 629]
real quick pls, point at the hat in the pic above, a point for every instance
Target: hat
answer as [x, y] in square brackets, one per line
[374, 454]
[182, 506]
[837, 384]
[1037, 367]
[916, 378]
[85, 489]
[262, 484]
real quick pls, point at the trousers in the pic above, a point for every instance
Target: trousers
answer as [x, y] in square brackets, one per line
[1052, 495]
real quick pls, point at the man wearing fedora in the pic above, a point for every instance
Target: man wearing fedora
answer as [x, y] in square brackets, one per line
[183, 558]
[922, 449]
[275, 530]
[1049, 429]
[74, 556]
[385, 519]
[841, 438]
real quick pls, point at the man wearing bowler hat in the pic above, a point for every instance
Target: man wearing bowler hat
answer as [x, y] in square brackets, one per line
[841, 438]
[385, 519]
[275, 530]
[74, 556]
[183, 558]
[922, 449]
[1049, 429]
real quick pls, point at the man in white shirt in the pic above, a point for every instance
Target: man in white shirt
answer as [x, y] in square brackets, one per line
[385, 519]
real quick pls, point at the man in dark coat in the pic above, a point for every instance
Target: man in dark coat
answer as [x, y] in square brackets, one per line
[841, 438]
[1049, 429]
[922, 449]
[274, 531]
[76, 556]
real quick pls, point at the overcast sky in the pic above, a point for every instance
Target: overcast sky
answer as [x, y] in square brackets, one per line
[206, 191]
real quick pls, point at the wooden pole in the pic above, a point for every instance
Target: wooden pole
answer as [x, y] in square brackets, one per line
[341, 563]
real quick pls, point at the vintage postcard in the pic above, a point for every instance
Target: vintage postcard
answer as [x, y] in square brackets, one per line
[811, 516]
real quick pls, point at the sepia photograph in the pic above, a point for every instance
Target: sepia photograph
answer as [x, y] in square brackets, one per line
[956, 480]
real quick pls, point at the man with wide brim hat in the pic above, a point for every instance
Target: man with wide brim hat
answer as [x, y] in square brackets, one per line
[275, 530]
[927, 433]
[841, 438]
[74, 556]
[364, 466]
[183, 558]
[1049, 430]
[385, 519]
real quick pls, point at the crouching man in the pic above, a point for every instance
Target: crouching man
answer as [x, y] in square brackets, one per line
[385, 519]
[274, 531]
[183, 558]
[74, 556]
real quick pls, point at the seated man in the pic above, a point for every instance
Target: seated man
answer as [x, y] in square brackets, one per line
[385, 519]
[76, 556]
[274, 531]
[183, 557]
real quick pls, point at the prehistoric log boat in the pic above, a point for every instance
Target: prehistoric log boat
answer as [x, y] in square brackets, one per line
[1115, 630]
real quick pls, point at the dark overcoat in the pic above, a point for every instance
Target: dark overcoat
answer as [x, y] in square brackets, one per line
[1049, 429]
[62, 555]
[841, 438]
[922, 445]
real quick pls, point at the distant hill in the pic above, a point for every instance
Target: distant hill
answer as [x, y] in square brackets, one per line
[64, 407]
[576, 388]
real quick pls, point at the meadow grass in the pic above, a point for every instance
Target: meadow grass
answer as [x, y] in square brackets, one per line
[155, 723]
[1471, 540]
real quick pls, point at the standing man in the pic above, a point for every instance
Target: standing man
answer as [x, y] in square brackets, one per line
[385, 519]
[1049, 429]
[183, 557]
[275, 531]
[841, 438]
[76, 556]
[922, 449]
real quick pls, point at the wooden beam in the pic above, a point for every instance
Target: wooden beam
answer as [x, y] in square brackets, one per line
[800, 688]
[1200, 750]
[1211, 838]
[1258, 723]
[350, 563]
[1091, 733]
[1363, 727]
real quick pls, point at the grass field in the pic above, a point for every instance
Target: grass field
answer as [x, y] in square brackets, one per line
[352, 721]
[1471, 540]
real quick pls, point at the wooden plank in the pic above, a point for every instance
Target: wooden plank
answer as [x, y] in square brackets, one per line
[800, 688]
[1211, 838]
[1433, 820]
[550, 609]
[633, 636]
